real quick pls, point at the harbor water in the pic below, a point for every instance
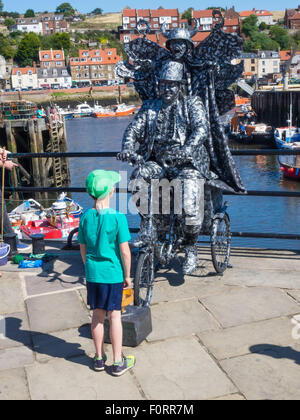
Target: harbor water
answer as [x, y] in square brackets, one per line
[248, 213]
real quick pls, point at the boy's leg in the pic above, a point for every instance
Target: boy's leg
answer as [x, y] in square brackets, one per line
[97, 328]
[116, 334]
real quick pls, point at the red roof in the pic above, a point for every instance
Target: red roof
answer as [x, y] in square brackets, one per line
[164, 12]
[286, 54]
[200, 36]
[51, 55]
[263, 13]
[231, 22]
[296, 16]
[143, 13]
[247, 13]
[197, 14]
[91, 57]
[23, 70]
[129, 12]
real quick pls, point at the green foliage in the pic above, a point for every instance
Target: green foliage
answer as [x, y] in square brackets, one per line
[28, 50]
[281, 36]
[217, 8]
[1, 5]
[263, 26]
[249, 25]
[66, 9]
[296, 37]
[187, 14]
[9, 22]
[29, 13]
[97, 11]
[6, 48]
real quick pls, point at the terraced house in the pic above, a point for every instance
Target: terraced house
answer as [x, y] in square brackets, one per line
[94, 66]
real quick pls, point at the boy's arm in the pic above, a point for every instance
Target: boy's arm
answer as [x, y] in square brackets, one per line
[83, 252]
[126, 259]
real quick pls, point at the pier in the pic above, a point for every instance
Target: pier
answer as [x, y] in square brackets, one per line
[230, 338]
[273, 107]
[37, 136]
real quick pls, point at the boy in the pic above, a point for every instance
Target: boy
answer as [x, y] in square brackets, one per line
[103, 237]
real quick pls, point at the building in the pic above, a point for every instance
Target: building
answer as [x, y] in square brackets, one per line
[53, 23]
[45, 24]
[94, 66]
[5, 73]
[155, 18]
[250, 61]
[54, 78]
[206, 19]
[24, 78]
[27, 25]
[292, 18]
[294, 70]
[263, 16]
[232, 26]
[52, 58]
[268, 63]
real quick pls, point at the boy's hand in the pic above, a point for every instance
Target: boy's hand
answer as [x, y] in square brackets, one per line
[127, 283]
[10, 165]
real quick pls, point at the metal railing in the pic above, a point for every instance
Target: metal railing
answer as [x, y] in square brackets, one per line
[245, 152]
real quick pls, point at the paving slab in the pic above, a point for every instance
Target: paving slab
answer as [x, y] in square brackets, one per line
[74, 379]
[164, 291]
[16, 357]
[13, 385]
[55, 312]
[37, 284]
[11, 295]
[248, 305]
[179, 319]
[263, 278]
[237, 341]
[64, 344]
[274, 375]
[179, 369]
[232, 397]
[16, 331]
[295, 294]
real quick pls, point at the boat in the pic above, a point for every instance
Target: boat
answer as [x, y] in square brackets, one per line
[83, 110]
[245, 130]
[287, 138]
[54, 228]
[29, 215]
[120, 111]
[290, 166]
[66, 113]
[239, 100]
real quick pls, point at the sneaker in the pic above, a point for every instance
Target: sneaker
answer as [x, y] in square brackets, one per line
[23, 247]
[99, 364]
[120, 368]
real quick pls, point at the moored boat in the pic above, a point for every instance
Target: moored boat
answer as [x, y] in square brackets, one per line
[83, 110]
[54, 228]
[290, 166]
[120, 111]
[287, 138]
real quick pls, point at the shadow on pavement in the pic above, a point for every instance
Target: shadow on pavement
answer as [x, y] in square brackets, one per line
[277, 352]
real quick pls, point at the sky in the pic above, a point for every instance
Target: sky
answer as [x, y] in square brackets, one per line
[117, 5]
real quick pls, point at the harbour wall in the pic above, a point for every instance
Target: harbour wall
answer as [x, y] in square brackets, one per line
[273, 107]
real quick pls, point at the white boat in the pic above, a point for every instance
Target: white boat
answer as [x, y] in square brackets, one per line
[287, 137]
[66, 113]
[83, 110]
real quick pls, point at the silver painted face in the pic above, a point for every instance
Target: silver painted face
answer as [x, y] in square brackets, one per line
[168, 91]
[178, 48]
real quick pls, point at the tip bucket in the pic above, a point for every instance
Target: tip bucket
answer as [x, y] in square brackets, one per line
[4, 251]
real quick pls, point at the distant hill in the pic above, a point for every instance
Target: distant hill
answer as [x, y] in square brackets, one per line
[105, 21]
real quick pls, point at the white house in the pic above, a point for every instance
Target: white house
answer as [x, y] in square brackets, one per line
[268, 63]
[28, 25]
[54, 78]
[24, 78]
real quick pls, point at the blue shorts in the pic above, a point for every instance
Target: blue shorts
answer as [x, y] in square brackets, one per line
[107, 296]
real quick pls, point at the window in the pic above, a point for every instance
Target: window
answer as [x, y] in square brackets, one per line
[108, 52]
[234, 27]
[132, 19]
[45, 73]
[86, 75]
[125, 26]
[132, 25]
[126, 38]
[174, 18]
[263, 70]
[30, 72]
[64, 72]
[57, 56]
[19, 73]
[59, 64]
[155, 19]
[125, 19]
[54, 72]
[252, 68]
[86, 67]
[252, 61]
[207, 28]
[108, 67]
[156, 25]
[174, 25]
[85, 53]
[263, 63]
[46, 56]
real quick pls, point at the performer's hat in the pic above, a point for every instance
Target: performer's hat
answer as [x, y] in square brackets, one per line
[180, 34]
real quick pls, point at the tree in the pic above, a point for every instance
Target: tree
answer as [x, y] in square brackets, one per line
[249, 25]
[216, 8]
[9, 22]
[187, 14]
[28, 50]
[65, 9]
[6, 49]
[281, 36]
[61, 41]
[263, 26]
[29, 13]
[97, 11]
[1, 5]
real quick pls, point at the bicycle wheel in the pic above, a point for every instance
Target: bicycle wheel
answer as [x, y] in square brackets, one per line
[220, 243]
[144, 279]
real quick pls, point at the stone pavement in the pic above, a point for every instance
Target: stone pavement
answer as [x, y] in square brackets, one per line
[232, 337]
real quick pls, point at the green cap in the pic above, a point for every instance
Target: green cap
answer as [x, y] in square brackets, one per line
[99, 183]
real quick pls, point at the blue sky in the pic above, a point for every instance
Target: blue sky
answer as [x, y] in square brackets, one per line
[117, 5]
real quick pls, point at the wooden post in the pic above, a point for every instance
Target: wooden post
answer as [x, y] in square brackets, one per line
[12, 147]
[34, 161]
[42, 162]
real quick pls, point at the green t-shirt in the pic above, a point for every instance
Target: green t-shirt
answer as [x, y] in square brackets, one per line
[102, 233]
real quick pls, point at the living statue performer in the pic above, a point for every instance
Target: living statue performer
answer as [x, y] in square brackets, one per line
[184, 89]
